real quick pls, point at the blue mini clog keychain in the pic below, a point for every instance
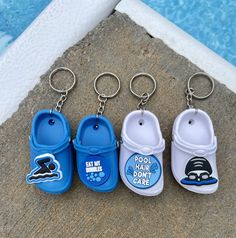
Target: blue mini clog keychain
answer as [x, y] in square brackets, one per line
[96, 146]
[51, 159]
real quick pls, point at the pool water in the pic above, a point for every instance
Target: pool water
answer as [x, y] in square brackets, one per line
[212, 22]
[15, 17]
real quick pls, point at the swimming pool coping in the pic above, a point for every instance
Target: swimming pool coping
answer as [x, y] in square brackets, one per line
[37, 48]
[180, 41]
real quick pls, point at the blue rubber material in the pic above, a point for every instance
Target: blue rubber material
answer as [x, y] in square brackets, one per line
[209, 181]
[96, 154]
[50, 142]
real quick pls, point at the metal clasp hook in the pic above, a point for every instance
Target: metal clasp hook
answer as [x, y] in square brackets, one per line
[190, 94]
[102, 98]
[63, 92]
[144, 98]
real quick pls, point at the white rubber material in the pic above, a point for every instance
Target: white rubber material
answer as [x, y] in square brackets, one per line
[144, 140]
[193, 138]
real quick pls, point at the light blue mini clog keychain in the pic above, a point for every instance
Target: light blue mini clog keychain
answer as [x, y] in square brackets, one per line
[51, 160]
[96, 146]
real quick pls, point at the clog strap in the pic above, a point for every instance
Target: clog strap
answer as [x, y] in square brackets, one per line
[196, 150]
[94, 150]
[50, 149]
[145, 150]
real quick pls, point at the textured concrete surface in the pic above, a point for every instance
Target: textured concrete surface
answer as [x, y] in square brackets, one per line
[119, 46]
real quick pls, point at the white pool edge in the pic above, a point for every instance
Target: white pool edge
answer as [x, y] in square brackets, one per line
[34, 51]
[181, 42]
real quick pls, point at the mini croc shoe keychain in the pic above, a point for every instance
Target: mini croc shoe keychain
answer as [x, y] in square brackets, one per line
[194, 144]
[51, 159]
[96, 147]
[141, 148]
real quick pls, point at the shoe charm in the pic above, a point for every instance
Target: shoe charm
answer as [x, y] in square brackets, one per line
[142, 146]
[194, 144]
[96, 146]
[51, 159]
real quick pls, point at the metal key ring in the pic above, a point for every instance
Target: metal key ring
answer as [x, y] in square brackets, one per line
[56, 71]
[105, 74]
[206, 76]
[148, 76]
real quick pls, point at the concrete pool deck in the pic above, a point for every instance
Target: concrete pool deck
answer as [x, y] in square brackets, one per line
[122, 47]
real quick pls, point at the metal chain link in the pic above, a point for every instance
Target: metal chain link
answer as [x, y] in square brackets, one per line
[189, 97]
[144, 99]
[61, 101]
[102, 102]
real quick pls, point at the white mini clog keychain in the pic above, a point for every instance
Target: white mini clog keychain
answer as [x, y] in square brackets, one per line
[194, 144]
[141, 148]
